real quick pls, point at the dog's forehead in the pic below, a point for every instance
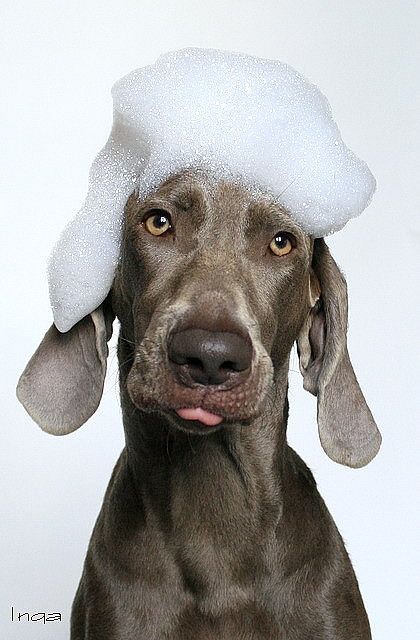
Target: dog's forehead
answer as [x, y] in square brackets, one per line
[197, 187]
[200, 184]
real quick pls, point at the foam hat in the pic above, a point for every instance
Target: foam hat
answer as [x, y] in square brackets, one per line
[252, 120]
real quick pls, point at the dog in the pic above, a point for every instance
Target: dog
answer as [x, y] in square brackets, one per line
[212, 526]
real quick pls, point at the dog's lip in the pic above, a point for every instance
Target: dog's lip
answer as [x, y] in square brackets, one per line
[199, 414]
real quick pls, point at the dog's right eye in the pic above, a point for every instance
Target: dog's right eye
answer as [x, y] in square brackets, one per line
[158, 222]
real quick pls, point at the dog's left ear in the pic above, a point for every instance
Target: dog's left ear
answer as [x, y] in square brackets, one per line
[62, 384]
[347, 430]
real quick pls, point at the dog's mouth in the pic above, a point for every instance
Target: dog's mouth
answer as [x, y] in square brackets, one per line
[200, 415]
[152, 386]
[193, 408]
[196, 420]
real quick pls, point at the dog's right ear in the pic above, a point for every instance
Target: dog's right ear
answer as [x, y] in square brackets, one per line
[61, 386]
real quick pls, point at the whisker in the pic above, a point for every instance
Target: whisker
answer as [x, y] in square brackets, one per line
[120, 337]
[288, 187]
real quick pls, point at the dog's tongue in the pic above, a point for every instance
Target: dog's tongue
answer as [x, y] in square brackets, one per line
[207, 418]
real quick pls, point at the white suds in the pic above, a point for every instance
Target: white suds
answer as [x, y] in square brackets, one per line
[240, 117]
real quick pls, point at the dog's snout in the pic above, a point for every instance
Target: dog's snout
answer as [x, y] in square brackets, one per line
[210, 357]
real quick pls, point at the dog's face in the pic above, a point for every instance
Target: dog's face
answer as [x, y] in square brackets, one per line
[214, 285]
[212, 290]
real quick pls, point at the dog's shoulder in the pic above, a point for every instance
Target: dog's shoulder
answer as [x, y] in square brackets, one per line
[298, 470]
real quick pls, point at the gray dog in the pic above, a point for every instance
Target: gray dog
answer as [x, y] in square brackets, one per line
[212, 526]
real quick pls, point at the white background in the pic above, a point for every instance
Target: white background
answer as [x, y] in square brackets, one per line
[59, 60]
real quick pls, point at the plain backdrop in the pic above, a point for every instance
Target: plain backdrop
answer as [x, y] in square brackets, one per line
[59, 60]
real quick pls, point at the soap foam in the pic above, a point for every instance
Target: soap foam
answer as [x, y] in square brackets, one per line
[239, 117]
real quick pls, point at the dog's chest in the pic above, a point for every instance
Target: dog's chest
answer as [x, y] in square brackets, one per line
[246, 623]
[231, 614]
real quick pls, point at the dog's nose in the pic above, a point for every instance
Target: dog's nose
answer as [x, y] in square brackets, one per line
[210, 357]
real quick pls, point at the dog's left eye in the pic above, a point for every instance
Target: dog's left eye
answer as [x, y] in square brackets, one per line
[158, 223]
[282, 244]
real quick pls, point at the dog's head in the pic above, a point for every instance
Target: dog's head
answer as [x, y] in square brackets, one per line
[214, 285]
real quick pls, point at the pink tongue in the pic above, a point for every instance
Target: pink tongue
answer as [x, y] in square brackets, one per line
[210, 419]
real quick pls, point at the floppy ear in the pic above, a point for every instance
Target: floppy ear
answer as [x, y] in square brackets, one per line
[347, 430]
[62, 384]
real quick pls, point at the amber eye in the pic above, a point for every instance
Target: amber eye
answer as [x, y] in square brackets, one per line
[158, 223]
[282, 244]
